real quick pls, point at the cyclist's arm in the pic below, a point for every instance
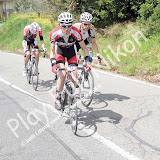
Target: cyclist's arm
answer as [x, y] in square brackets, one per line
[24, 42]
[84, 48]
[52, 53]
[43, 44]
[95, 47]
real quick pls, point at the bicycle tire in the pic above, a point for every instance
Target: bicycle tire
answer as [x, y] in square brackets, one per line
[83, 94]
[29, 70]
[73, 111]
[35, 74]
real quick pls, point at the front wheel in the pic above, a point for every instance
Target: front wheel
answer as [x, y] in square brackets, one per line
[86, 88]
[73, 113]
[73, 110]
[35, 74]
[29, 71]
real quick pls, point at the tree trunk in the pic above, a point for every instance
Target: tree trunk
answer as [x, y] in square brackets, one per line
[72, 6]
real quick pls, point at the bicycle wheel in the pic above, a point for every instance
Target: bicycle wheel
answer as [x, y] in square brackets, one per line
[29, 71]
[73, 110]
[35, 74]
[86, 88]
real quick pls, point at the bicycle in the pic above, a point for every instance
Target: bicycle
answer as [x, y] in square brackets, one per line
[32, 68]
[68, 96]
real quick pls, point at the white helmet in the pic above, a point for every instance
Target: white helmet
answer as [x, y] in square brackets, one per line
[34, 28]
[86, 17]
[65, 18]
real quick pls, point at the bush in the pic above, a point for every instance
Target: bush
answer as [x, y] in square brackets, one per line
[150, 17]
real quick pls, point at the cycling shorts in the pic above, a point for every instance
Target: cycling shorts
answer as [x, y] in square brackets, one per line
[61, 53]
[32, 43]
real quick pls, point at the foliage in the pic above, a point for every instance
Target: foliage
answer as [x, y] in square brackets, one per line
[107, 12]
[39, 6]
[150, 17]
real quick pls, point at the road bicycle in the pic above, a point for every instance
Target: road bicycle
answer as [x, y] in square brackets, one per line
[32, 68]
[68, 96]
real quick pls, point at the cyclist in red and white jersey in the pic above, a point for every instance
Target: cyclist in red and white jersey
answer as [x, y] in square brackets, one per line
[88, 34]
[30, 40]
[62, 40]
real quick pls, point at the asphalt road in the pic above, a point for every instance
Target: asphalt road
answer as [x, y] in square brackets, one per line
[121, 123]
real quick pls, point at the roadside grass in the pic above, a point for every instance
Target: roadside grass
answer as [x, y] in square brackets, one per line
[144, 60]
[12, 31]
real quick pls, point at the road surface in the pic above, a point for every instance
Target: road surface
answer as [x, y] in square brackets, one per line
[121, 123]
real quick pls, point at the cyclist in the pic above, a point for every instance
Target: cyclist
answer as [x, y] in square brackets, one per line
[62, 40]
[29, 40]
[88, 34]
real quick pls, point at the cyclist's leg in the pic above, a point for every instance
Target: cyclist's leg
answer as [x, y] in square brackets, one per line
[26, 58]
[60, 60]
[36, 47]
[72, 60]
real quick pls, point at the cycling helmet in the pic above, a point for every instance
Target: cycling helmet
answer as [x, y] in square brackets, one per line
[34, 28]
[65, 18]
[86, 17]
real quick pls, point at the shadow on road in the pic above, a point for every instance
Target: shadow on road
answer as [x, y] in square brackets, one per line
[45, 85]
[99, 97]
[94, 115]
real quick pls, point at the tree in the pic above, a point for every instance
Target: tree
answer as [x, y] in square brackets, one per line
[39, 6]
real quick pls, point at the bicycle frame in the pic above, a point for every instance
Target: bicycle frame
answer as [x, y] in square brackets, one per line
[69, 93]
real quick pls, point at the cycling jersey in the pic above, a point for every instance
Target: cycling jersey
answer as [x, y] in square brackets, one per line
[86, 35]
[64, 45]
[65, 41]
[27, 35]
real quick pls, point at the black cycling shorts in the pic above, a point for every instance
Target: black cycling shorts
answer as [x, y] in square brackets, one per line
[69, 53]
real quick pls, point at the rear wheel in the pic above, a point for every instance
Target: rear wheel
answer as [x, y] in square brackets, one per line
[35, 74]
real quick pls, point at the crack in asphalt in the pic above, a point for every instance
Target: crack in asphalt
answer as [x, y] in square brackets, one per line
[138, 138]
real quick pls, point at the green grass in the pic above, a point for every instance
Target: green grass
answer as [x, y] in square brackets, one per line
[12, 31]
[143, 61]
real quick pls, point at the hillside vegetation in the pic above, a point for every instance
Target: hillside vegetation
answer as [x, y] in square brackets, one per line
[117, 43]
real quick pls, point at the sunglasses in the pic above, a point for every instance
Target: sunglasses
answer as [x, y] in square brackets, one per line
[86, 24]
[66, 26]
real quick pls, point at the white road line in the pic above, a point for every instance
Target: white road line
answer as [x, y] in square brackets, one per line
[126, 78]
[98, 137]
[111, 145]
[32, 96]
